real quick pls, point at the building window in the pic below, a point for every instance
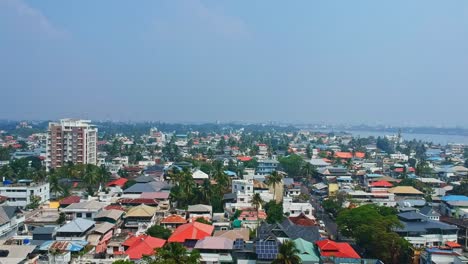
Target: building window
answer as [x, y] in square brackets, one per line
[79, 215]
[88, 215]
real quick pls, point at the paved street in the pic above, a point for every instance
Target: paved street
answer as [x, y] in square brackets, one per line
[330, 225]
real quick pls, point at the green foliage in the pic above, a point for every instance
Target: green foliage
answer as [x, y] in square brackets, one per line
[175, 253]
[292, 164]
[461, 189]
[385, 145]
[274, 180]
[274, 212]
[203, 221]
[372, 228]
[423, 169]
[121, 261]
[159, 232]
[288, 253]
[5, 153]
[423, 187]
[235, 215]
[34, 202]
[61, 220]
[129, 184]
[334, 204]
[253, 163]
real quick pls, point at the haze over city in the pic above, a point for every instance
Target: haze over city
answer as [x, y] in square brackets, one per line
[396, 62]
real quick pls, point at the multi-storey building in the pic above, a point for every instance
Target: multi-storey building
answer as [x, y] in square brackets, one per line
[71, 140]
[20, 194]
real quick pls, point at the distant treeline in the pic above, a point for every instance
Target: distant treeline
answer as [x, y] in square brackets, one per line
[140, 128]
[455, 131]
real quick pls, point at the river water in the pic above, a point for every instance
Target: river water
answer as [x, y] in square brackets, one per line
[436, 139]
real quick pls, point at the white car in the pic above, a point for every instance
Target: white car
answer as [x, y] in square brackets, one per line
[322, 224]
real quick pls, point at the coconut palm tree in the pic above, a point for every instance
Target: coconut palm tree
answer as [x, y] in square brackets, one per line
[176, 253]
[257, 201]
[257, 204]
[288, 254]
[218, 174]
[309, 170]
[274, 179]
[54, 183]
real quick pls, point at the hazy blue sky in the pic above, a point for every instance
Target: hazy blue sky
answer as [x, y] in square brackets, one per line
[397, 62]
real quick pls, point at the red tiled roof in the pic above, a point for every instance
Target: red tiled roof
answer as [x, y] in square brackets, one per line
[343, 155]
[452, 244]
[138, 201]
[381, 184]
[70, 200]
[118, 182]
[174, 219]
[244, 158]
[191, 231]
[114, 207]
[142, 245]
[302, 220]
[360, 155]
[329, 248]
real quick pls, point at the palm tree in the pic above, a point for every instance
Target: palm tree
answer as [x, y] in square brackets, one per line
[103, 175]
[176, 253]
[257, 204]
[218, 174]
[54, 183]
[309, 170]
[205, 191]
[274, 179]
[288, 254]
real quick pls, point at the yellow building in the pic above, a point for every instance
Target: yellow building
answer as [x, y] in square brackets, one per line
[332, 189]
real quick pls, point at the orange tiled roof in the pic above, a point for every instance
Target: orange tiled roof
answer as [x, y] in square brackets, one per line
[174, 219]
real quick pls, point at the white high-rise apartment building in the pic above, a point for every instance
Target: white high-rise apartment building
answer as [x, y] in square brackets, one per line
[71, 140]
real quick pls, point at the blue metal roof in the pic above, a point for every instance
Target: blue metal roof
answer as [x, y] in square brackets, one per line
[450, 198]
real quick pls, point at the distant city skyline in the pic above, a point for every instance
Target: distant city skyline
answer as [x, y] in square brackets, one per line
[401, 63]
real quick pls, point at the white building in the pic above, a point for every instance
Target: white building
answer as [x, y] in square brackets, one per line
[399, 157]
[20, 194]
[378, 198]
[295, 209]
[71, 140]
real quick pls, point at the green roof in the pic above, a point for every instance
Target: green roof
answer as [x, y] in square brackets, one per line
[237, 223]
[307, 251]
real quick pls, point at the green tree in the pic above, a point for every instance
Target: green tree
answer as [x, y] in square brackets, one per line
[175, 253]
[159, 232]
[257, 203]
[288, 254]
[461, 189]
[121, 261]
[5, 153]
[273, 180]
[372, 228]
[203, 221]
[292, 164]
[309, 151]
[274, 212]
[34, 202]
[54, 184]
[61, 218]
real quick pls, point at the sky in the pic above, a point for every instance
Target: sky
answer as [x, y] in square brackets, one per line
[393, 62]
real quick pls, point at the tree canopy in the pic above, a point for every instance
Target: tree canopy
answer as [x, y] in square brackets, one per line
[292, 164]
[372, 227]
[159, 232]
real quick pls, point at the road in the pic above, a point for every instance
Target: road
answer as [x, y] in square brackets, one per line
[330, 225]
